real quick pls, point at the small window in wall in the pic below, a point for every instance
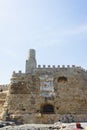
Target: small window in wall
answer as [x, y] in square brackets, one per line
[47, 109]
[62, 79]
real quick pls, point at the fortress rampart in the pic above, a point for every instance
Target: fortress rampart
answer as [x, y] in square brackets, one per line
[45, 94]
[4, 87]
[51, 68]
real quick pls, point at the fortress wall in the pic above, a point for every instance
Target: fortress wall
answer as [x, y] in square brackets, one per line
[70, 88]
[66, 91]
[49, 69]
[56, 68]
[27, 102]
[4, 87]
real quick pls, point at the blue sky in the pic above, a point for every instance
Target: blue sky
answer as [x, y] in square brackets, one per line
[57, 29]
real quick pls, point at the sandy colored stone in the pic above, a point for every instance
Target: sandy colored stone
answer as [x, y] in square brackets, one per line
[27, 101]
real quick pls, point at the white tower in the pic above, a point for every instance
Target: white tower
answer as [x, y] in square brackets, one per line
[31, 61]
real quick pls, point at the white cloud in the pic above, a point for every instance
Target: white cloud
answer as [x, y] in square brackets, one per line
[51, 37]
[75, 31]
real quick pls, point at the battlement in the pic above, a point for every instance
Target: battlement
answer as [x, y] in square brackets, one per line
[19, 73]
[60, 66]
[4, 87]
[32, 68]
[31, 64]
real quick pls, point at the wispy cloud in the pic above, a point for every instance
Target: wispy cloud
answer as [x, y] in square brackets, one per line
[75, 31]
[57, 37]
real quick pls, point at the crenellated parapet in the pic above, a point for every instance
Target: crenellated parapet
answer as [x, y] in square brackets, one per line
[61, 67]
[17, 76]
[4, 87]
[31, 65]
[58, 66]
[53, 68]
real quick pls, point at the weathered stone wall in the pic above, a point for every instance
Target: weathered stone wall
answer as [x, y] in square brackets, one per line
[3, 95]
[45, 94]
[72, 93]
[25, 103]
[4, 87]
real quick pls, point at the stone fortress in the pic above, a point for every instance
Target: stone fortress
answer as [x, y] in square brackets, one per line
[46, 94]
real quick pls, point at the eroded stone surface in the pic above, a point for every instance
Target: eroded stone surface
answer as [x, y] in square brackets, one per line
[47, 94]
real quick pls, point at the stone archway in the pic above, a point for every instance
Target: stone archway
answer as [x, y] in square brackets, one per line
[47, 109]
[62, 79]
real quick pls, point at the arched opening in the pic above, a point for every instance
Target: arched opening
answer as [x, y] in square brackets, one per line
[47, 109]
[62, 79]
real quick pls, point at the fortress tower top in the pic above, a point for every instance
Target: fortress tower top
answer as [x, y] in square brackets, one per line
[31, 54]
[31, 61]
